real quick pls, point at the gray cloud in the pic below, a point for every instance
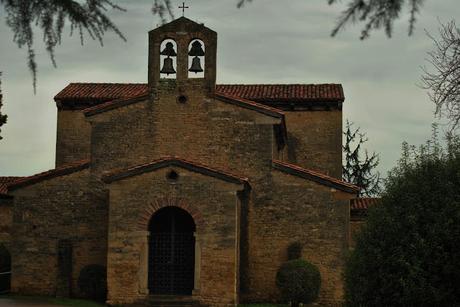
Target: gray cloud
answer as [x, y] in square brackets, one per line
[269, 41]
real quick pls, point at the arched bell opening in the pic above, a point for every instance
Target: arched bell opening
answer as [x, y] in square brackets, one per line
[171, 252]
[196, 59]
[5, 270]
[168, 59]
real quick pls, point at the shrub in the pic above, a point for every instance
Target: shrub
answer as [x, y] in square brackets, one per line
[408, 253]
[299, 281]
[93, 282]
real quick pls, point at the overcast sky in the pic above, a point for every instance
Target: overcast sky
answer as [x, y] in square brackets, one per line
[268, 41]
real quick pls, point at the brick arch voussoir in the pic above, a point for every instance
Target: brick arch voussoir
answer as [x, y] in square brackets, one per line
[160, 203]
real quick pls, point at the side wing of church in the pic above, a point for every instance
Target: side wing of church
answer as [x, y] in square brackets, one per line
[182, 187]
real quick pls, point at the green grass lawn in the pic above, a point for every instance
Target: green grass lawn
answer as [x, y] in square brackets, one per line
[55, 301]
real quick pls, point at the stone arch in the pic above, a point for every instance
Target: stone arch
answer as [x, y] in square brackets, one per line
[199, 58]
[169, 202]
[171, 57]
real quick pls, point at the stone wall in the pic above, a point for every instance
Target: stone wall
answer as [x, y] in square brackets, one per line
[315, 140]
[212, 203]
[294, 209]
[61, 208]
[73, 137]
[203, 130]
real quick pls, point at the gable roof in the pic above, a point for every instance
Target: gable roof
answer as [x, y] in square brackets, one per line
[83, 95]
[315, 176]
[174, 161]
[363, 203]
[183, 23]
[359, 207]
[60, 171]
[287, 93]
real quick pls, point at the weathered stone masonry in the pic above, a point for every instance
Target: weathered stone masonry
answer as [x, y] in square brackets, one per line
[256, 167]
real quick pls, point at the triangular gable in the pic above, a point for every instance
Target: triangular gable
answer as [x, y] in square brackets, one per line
[175, 161]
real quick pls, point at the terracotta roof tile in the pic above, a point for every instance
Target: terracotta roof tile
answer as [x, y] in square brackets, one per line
[101, 91]
[363, 203]
[4, 181]
[315, 176]
[284, 92]
[60, 171]
[89, 94]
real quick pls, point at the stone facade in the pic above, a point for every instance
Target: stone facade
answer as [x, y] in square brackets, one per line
[254, 173]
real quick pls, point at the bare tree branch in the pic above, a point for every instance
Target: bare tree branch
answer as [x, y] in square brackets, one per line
[442, 78]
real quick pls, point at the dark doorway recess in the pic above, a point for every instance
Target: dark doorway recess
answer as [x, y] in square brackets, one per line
[171, 252]
[5, 270]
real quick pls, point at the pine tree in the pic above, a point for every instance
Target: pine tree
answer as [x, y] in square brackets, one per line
[358, 167]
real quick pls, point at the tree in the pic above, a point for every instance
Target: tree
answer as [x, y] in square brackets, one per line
[51, 16]
[359, 168]
[407, 254]
[3, 117]
[443, 80]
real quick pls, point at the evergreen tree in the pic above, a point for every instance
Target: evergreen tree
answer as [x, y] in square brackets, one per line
[3, 117]
[358, 167]
[407, 254]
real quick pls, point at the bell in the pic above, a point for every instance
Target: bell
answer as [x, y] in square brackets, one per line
[196, 65]
[168, 67]
[196, 49]
[169, 50]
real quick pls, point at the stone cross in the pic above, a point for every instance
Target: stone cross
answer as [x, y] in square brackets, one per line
[183, 7]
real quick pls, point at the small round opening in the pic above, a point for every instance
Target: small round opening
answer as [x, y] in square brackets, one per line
[182, 99]
[172, 175]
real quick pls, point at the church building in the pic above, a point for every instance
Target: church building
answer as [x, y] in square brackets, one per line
[183, 189]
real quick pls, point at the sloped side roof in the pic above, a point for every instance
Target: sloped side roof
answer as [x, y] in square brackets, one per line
[60, 171]
[284, 92]
[315, 176]
[174, 161]
[4, 182]
[363, 203]
[81, 95]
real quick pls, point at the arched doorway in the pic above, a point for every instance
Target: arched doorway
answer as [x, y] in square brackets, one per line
[5, 270]
[171, 252]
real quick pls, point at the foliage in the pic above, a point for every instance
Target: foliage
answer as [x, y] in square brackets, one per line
[356, 169]
[299, 281]
[50, 16]
[443, 80]
[375, 14]
[93, 282]
[3, 117]
[408, 253]
[294, 251]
